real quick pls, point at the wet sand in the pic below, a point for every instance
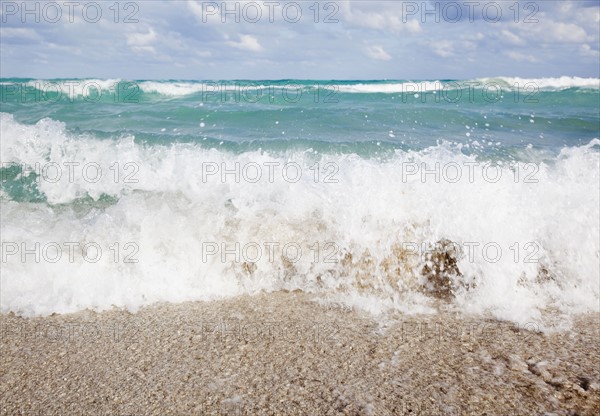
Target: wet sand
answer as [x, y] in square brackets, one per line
[283, 354]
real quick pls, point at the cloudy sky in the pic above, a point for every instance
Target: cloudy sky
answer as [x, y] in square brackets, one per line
[343, 39]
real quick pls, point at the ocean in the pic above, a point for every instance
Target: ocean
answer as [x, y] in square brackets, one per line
[390, 195]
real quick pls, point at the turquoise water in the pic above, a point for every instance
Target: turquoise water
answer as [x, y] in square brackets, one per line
[495, 119]
[331, 116]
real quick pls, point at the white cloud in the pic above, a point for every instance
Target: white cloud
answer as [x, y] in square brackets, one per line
[377, 52]
[443, 48]
[586, 50]
[141, 39]
[170, 40]
[520, 57]
[389, 19]
[203, 54]
[511, 37]
[195, 8]
[470, 42]
[473, 36]
[247, 42]
[21, 33]
[413, 26]
[142, 42]
[568, 32]
[547, 31]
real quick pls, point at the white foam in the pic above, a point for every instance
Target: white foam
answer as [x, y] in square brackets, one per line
[502, 82]
[171, 212]
[388, 88]
[75, 88]
[559, 83]
[172, 88]
[178, 89]
[87, 87]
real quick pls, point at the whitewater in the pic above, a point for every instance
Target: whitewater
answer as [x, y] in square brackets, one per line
[379, 200]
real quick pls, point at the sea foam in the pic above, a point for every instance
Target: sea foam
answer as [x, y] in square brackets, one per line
[357, 233]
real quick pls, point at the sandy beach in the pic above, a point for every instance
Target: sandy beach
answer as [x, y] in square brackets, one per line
[284, 354]
[318, 208]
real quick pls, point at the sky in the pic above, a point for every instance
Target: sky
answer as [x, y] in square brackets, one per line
[324, 40]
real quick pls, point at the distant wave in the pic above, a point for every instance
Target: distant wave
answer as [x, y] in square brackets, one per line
[557, 84]
[85, 87]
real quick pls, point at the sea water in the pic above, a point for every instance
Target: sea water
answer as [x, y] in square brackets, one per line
[389, 195]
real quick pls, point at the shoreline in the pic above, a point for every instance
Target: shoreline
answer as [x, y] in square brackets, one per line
[282, 353]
